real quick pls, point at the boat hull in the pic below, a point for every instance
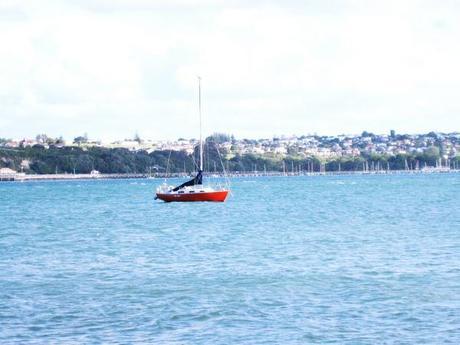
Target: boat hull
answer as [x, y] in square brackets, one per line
[217, 196]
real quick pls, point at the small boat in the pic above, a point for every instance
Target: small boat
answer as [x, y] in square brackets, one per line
[193, 190]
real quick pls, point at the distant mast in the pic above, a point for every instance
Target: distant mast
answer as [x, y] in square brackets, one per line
[199, 110]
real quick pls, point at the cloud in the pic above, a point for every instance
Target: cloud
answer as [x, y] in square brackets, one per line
[110, 68]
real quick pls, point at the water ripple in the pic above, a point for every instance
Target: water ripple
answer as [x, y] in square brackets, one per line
[324, 259]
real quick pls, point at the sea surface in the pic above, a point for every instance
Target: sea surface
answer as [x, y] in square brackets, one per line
[359, 259]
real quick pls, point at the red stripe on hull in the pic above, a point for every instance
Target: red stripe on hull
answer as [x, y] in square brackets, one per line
[218, 196]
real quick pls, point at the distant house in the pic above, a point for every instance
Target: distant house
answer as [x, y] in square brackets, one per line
[12, 144]
[7, 171]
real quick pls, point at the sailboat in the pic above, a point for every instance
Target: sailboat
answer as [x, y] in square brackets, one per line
[193, 190]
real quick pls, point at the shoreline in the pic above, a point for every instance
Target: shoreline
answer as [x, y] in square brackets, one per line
[69, 177]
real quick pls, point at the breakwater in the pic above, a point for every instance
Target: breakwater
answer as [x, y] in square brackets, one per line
[51, 177]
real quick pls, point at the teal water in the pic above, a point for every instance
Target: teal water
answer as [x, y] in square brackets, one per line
[298, 260]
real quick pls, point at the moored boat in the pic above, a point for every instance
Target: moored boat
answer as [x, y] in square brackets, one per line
[193, 190]
[188, 194]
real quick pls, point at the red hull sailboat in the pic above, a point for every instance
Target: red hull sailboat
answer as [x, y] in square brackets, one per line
[192, 190]
[213, 196]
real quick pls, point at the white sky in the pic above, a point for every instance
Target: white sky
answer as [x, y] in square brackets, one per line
[115, 67]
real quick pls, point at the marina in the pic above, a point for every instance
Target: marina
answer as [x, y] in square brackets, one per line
[19, 177]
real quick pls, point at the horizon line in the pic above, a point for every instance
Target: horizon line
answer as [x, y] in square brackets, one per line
[235, 136]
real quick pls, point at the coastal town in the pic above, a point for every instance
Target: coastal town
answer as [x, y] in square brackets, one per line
[45, 157]
[322, 147]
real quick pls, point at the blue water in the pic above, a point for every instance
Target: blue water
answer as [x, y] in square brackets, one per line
[298, 260]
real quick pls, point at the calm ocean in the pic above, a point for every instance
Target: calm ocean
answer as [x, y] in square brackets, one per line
[297, 260]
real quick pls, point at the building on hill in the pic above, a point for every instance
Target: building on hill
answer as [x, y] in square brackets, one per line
[7, 171]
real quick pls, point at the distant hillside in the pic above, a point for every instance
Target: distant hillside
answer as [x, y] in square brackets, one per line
[73, 159]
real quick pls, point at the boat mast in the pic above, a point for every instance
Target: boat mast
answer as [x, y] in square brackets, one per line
[199, 109]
